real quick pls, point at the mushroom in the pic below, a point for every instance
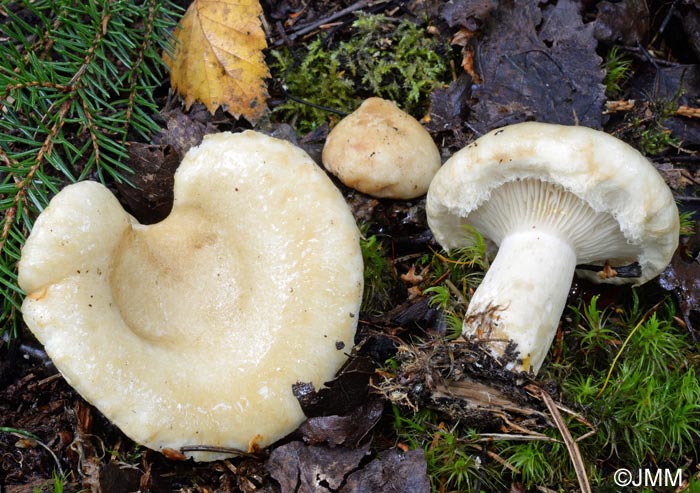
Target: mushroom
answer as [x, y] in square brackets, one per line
[552, 198]
[382, 151]
[192, 331]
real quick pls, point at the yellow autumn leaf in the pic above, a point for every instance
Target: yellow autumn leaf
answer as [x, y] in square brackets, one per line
[218, 57]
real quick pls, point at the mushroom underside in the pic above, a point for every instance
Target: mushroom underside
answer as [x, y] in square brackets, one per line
[543, 233]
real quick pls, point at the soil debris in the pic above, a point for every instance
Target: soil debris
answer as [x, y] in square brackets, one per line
[462, 380]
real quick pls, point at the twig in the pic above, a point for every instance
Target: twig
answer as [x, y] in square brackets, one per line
[55, 376]
[313, 105]
[665, 22]
[536, 392]
[489, 437]
[456, 292]
[219, 450]
[571, 445]
[692, 158]
[326, 20]
[501, 460]
[133, 76]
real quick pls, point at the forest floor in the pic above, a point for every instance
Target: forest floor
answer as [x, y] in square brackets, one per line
[630, 68]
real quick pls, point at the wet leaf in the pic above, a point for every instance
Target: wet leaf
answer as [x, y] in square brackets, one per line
[675, 83]
[537, 62]
[448, 108]
[346, 430]
[682, 278]
[467, 13]
[340, 396]
[306, 469]
[626, 22]
[691, 25]
[184, 130]
[218, 57]
[394, 471]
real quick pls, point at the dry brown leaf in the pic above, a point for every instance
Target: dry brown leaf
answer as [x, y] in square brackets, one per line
[218, 57]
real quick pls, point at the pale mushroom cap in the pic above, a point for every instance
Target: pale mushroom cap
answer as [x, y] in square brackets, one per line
[617, 183]
[192, 331]
[382, 151]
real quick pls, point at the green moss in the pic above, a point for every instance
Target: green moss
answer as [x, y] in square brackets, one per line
[318, 79]
[455, 458]
[687, 223]
[378, 273]
[634, 377]
[629, 371]
[452, 276]
[656, 138]
[641, 391]
[539, 462]
[617, 71]
[401, 62]
[647, 129]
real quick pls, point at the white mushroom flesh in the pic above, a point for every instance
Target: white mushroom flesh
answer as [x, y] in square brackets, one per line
[543, 232]
[192, 331]
[551, 197]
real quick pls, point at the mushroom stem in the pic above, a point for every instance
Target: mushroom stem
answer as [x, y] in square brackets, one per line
[523, 295]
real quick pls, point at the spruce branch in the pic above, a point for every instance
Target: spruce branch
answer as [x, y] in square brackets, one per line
[76, 85]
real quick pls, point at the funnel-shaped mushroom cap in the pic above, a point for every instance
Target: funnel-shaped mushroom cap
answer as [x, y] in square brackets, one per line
[192, 331]
[614, 205]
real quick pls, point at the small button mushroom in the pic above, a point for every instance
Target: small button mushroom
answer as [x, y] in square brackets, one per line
[192, 331]
[382, 151]
[552, 198]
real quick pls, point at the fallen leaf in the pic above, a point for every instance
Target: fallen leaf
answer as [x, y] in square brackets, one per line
[676, 83]
[394, 471]
[467, 13]
[346, 430]
[302, 468]
[537, 62]
[218, 57]
[184, 130]
[626, 22]
[448, 107]
[690, 15]
[340, 396]
[682, 278]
